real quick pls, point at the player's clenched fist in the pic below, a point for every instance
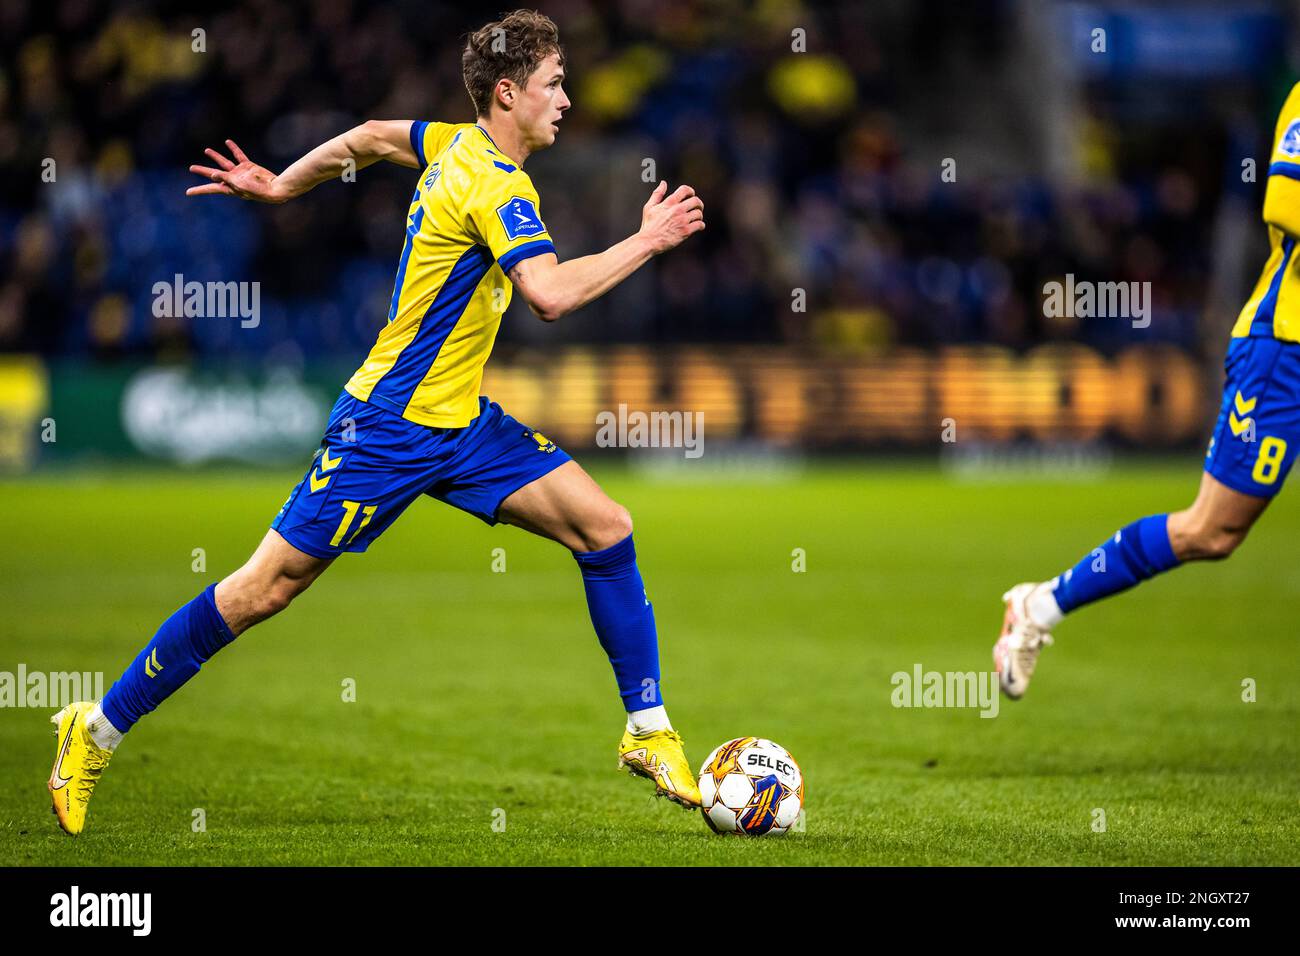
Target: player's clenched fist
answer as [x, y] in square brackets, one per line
[667, 221]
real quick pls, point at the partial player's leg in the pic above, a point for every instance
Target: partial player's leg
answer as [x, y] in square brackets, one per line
[371, 464]
[88, 732]
[503, 470]
[274, 575]
[1211, 529]
[1253, 448]
[266, 584]
[1215, 524]
[567, 506]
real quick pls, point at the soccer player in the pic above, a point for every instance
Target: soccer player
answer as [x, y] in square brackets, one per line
[411, 421]
[1251, 450]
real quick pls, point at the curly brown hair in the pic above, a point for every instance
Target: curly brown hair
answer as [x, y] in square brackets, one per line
[512, 47]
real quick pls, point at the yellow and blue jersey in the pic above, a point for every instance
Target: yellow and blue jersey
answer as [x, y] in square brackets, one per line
[1257, 436]
[411, 421]
[474, 215]
[1273, 309]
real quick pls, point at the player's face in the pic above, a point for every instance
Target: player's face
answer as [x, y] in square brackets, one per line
[541, 104]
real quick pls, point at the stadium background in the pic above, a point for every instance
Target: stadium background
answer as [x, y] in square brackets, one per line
[828, 538]
[845, 295]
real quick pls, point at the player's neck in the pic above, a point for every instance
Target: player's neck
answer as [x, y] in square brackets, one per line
[506, 138]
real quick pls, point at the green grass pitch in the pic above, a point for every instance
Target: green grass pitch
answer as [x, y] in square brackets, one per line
[479, 692]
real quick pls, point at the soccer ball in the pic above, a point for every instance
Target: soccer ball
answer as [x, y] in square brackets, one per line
[751, 786]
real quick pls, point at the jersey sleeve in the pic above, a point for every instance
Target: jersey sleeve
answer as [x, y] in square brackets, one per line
[429, 139]
[1282, 193]
[505, 215]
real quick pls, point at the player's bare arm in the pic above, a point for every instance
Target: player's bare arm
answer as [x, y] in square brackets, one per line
[359, 147]
[553, 288]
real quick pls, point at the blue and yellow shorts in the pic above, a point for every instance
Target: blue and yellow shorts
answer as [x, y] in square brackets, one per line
[1258, 432]
[372, 463]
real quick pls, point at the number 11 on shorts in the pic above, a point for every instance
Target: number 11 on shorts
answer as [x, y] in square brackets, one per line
[349, 514]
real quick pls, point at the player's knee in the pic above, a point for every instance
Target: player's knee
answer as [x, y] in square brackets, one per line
[619, 525]
[622, 523]
[612, 526]
[1209, 541]
[1219, 543]
[274, 599]
[254, 598]
[281, 592]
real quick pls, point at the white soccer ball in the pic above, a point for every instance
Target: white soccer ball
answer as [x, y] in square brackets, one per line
[751, 786]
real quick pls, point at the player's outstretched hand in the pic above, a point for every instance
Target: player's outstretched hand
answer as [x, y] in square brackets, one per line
[667, 220]
[242, 178]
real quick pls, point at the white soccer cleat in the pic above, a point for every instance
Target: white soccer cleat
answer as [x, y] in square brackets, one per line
[1016, 652]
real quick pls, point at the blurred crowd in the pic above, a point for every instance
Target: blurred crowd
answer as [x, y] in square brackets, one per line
[828, 224]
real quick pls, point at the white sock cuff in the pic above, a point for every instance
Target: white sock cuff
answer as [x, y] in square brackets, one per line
[102, 731]
[644, 721]
[1042, 607]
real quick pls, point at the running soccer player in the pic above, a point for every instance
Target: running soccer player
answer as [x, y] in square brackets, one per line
[411, 421]
[1251, 450]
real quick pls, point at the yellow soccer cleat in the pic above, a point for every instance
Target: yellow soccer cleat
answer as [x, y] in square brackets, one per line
[658, 756]
[78, 764]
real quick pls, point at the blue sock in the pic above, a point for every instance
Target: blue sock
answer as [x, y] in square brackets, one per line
[1138, 551]
[624, 622]
[183, 643]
